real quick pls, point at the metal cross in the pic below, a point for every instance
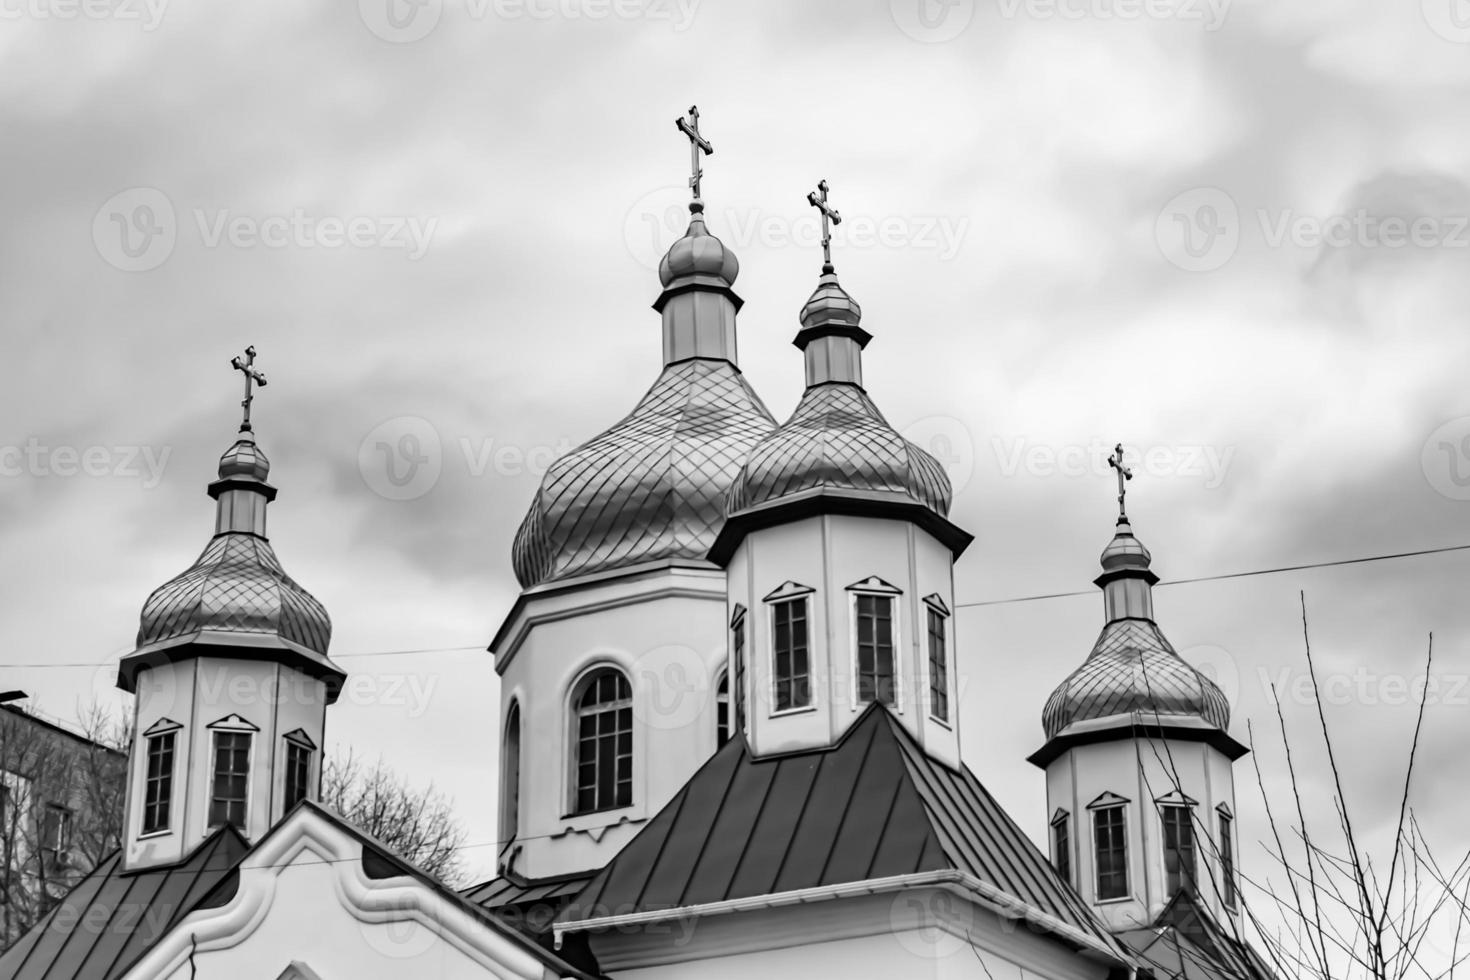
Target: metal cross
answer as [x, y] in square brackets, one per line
[246, 365]
[697, 144]
[1124, 474]
[818, 200]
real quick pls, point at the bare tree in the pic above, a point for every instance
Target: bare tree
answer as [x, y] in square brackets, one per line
[1330, 908]
[418, 824]
[61, 809]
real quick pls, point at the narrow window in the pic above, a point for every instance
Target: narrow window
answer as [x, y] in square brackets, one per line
[737, 641]
[938, 667]
[298, 773]
[604, 743]
[1112, 853]
[1061, 842]
[55, 832]
[1178, 848]
[875, 648]
[510, 781]
[722, 710]
[1227, 859]
[231, 790]
[158, 784]
[791, 654]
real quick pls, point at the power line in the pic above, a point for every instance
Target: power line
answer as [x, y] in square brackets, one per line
[960, 605]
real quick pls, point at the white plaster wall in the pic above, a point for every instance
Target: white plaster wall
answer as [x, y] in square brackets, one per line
[196, 693]
[829, 554]
[666, 632]
[1142, 771]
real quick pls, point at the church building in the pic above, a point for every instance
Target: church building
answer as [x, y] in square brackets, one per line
[808, 813]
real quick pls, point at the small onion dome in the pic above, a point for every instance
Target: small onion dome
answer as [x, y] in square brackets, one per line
[830, 304]
[837, 439]
[698, 253]
[652, 487]
[1125, 551]
[244, 460]
[236, 586]
[1134, 670]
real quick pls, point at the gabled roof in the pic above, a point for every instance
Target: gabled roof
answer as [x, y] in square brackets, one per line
[875, 806]
[113, 916]
[1186, 943]
[512, 889]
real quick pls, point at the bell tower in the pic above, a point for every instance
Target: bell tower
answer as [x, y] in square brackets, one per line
[230, 676]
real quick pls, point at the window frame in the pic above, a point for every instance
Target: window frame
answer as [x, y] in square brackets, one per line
[878, 590]
[215, 734]
[773, 608]
[55, 851]
[939, 694]
[510, 775]
[297, 742]
[164, 779]
[739, 669]
[1061, 845]
[724, 721]
[1225, 824]
[1109, 804]
[578, 692]
[1178, 809]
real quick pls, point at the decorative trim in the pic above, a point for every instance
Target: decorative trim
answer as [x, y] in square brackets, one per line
[300, 737]
[737, 615]
[895, 636]
[1176, 798]
[1106, 800]
[875, 585]
[1224, 810]
[788, 590]
[162, 727]
[936, 602]
[1059, 816]
[298, 970]
[232, 723]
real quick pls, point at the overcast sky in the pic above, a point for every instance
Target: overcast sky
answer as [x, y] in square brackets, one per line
[1231, 235]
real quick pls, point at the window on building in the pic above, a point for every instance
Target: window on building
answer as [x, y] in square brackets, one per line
[938, 666]
[1178, 848]
[510, 779]
[55, 832]
[298, 772]
[1061, 845]
[875, 648]
[604, 709]
[158, 783]
[1227, 859]
[791, 654]
[230, 789]
[737, 644]
[1111, 843]
[722, 709]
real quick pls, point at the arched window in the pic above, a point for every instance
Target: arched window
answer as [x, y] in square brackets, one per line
[510, 776]
[603, 733]
[722, 709]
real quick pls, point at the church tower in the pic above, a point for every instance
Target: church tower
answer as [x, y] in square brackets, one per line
[231, 679]
[1138, 759]
[611, 660]
[839, 553]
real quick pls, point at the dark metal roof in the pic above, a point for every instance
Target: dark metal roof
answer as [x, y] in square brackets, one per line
[873, 806]
[1186, 943]
[513, 890]
[112, 917]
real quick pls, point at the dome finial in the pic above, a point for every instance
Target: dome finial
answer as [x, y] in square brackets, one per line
[247, 367]
[689, 126]
[818, 200]
[1124, 474]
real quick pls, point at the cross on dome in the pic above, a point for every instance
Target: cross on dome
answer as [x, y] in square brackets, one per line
[1124, 474]
[689, 126]
[818, 200]
[246, 366]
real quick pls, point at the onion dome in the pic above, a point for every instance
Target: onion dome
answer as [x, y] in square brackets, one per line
[653, 487]
[837, 439]
[1132, 669]
[235, 599]
[698, 254]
